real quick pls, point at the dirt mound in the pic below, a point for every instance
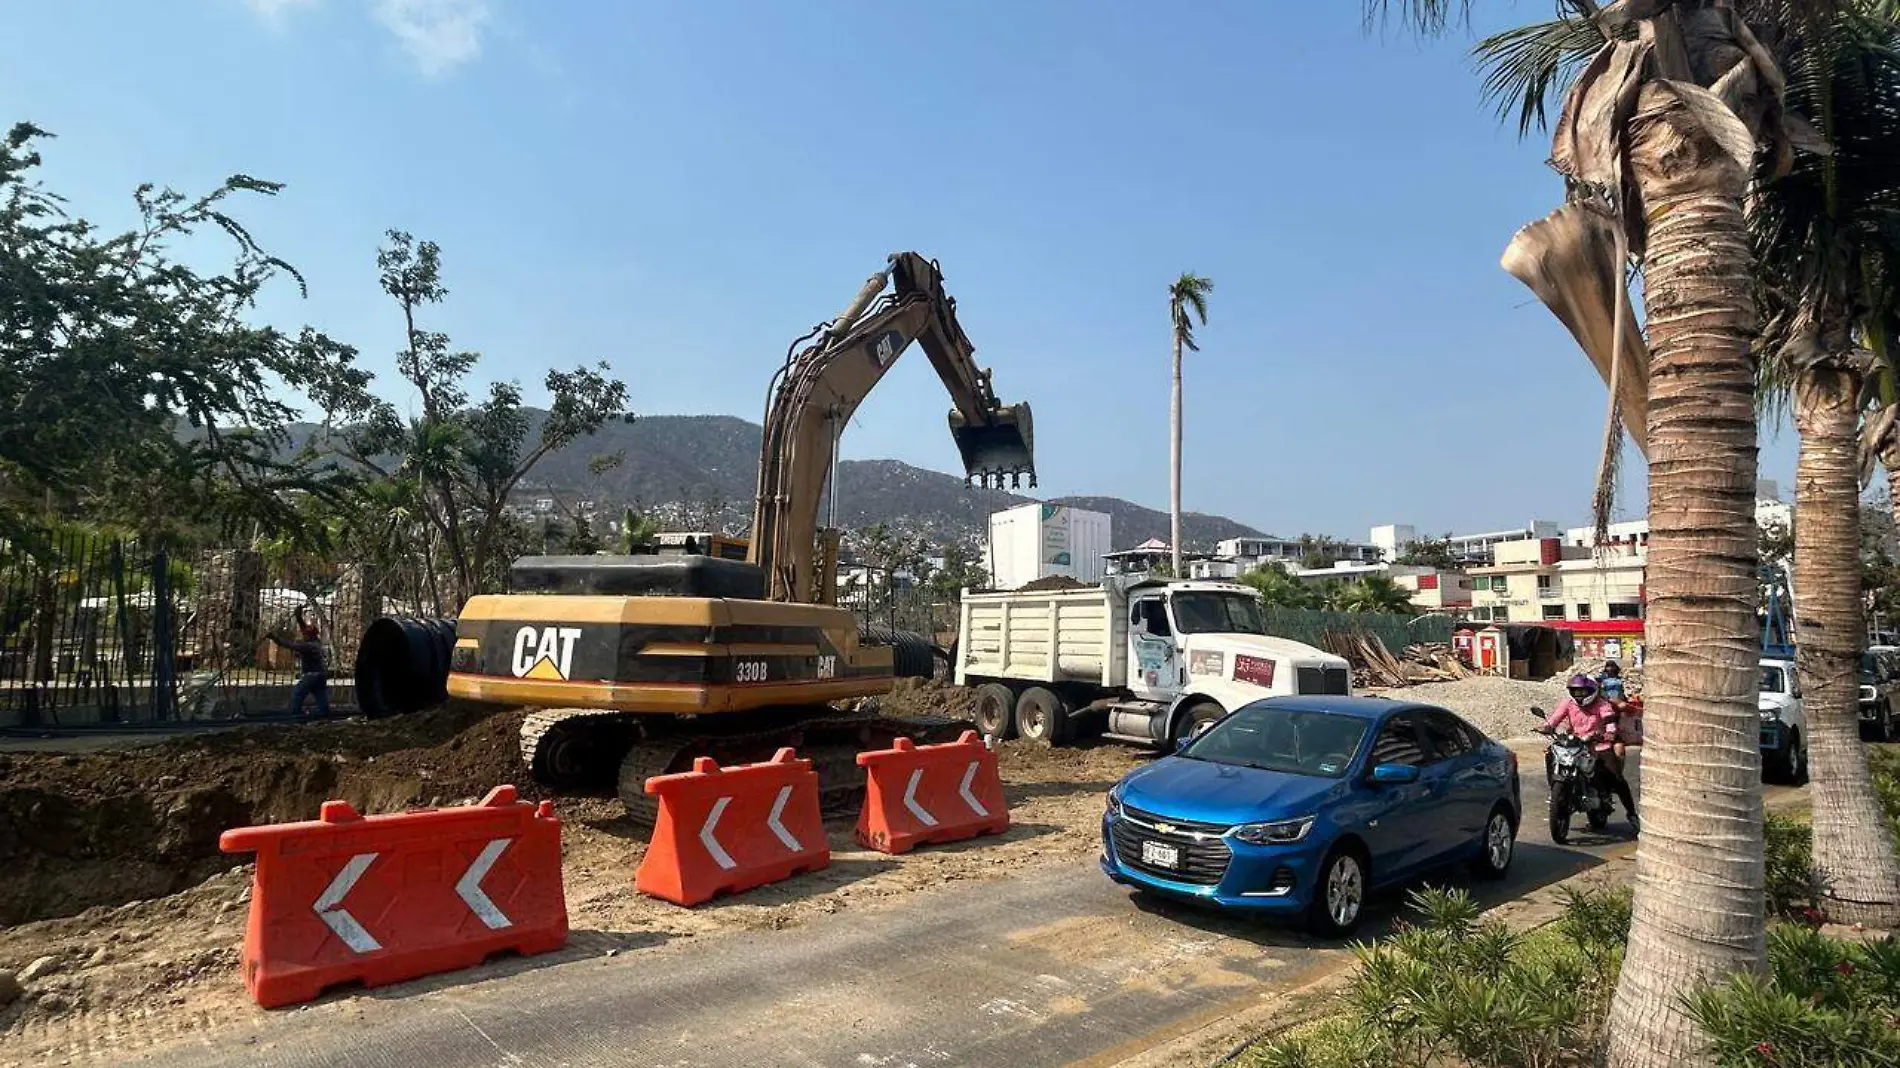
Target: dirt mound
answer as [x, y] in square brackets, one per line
[1055, 582]
[110, 827]
[929, 697]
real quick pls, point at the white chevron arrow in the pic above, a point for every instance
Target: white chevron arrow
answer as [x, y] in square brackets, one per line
[969, 776]
[469, 886]
[329, 906]
[719, 854]
[778, 810]
[910, 800]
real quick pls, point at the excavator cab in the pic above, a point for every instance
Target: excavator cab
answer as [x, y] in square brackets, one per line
[1005, 446]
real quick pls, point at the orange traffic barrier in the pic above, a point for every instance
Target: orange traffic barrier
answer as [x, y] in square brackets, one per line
[381, 899]
[916, 795]
[722, 830]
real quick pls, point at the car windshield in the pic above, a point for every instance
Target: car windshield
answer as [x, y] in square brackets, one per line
[1771, 680]
[1282, 739]
[1218, 613]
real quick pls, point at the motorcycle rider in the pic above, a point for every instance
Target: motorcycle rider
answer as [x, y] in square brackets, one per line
[1592, 719]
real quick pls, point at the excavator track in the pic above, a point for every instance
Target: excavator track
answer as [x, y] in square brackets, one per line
[831, 740]
[575, 750]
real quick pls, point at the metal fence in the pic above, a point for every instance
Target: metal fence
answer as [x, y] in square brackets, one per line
[1397, 632]
[111, 633]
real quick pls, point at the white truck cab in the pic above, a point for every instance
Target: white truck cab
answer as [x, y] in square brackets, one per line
[1784, 723]
[1160, 660]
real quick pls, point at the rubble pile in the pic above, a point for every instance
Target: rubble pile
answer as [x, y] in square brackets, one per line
[1374, 665]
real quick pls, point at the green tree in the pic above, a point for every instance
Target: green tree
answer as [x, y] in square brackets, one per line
[1663, 130]
[134, 389]
[1430, 552]
[1277, 589]
[466, 457]
[1375, 593]
[1187, 301]
[637, 531]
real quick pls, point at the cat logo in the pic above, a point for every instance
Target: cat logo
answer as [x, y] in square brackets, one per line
[544, 652]
[886, 348]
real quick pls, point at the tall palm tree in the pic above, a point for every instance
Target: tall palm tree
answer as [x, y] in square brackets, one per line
[1375, 593]
[1658, 142]
[1827, 236]
[1187, 301]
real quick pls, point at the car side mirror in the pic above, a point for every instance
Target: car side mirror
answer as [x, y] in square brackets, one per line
[1394, 774]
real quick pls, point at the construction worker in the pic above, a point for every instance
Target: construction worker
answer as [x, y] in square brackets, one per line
[313, 679]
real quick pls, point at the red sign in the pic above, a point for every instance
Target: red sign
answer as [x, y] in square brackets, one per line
[1253, 669]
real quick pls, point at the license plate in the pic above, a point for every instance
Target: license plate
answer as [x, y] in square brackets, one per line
[1160, 855]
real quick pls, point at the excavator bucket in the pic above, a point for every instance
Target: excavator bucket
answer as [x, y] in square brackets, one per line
[1002, 447]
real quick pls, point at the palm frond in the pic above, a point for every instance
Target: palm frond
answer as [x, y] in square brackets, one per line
[1428, 18]
[1528, 70]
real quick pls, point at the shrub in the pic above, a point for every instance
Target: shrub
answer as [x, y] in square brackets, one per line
[1787, 850]
[1823, 1002]
[1457, 988]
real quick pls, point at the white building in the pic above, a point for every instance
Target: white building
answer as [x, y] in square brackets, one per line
[1467, 549]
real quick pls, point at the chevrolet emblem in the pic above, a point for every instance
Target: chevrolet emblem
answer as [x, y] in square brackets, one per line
[1165, 828]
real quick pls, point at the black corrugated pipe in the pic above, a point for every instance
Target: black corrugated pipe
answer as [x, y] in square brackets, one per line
[403, 666]
[913, 656]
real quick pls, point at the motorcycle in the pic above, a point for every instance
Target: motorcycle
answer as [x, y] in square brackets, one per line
[1573, 771]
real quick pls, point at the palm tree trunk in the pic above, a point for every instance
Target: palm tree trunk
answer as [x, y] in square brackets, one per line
[1890, 459]
[1174, 457]
[1698, 900]
[1856, 876]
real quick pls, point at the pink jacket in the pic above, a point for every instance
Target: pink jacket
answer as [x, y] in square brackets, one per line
[1595, 722]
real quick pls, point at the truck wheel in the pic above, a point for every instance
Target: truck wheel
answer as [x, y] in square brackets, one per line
[1042, 717]
[1196, 718]
[996, 711]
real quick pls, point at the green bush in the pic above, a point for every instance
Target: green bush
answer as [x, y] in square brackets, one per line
[1455, 988]
[1823, 1002]
[1788, 851]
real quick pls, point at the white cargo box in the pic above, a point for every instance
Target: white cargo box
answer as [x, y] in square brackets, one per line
[1036, 541]
[1052, 636]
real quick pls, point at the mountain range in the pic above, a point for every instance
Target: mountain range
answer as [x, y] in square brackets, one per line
[700, 471]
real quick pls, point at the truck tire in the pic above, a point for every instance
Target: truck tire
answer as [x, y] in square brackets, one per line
[996, 711]
[1042, 717]
[1194, 719]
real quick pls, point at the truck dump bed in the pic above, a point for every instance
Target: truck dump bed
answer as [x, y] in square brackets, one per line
[1043, 636]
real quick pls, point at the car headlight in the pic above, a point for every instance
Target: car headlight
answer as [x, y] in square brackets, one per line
[1768, 713]
[1115, 800]
[1282, 832]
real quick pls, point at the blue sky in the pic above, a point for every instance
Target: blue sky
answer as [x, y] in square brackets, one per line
[681, 188]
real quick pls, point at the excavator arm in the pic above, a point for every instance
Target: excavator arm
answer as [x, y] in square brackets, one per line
[821, 385]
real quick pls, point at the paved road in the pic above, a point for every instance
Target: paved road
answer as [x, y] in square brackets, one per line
[1053, 968]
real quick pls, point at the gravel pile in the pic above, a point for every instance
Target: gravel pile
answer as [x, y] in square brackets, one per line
[1499, 707]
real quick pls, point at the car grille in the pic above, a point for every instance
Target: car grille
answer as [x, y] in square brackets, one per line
[1330, 680]
[1204, 855]
[1770, 736]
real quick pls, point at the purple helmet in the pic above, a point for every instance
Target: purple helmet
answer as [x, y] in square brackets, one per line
[1585, 684]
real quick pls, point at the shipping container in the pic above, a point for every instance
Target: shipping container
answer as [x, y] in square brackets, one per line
[1036, 541]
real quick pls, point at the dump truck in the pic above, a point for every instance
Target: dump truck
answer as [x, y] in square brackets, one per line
[1153, 662]
[636, 666]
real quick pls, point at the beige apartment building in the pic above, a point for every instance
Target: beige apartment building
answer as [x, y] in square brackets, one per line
[1532, 581]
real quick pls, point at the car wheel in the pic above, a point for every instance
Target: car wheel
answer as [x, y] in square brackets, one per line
[996, 711]
[1197, 718]
[1042, 717]
[1497, 846]
[1795, 773]
[1339, 896]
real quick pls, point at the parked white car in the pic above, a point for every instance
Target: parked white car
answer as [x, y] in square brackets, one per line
[1784, 724]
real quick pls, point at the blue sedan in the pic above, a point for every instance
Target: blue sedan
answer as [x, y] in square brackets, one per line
[1299, 806]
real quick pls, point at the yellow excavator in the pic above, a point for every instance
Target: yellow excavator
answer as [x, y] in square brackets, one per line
[635, 665]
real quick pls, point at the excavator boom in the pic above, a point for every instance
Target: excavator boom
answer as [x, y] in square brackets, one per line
[822, 384]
